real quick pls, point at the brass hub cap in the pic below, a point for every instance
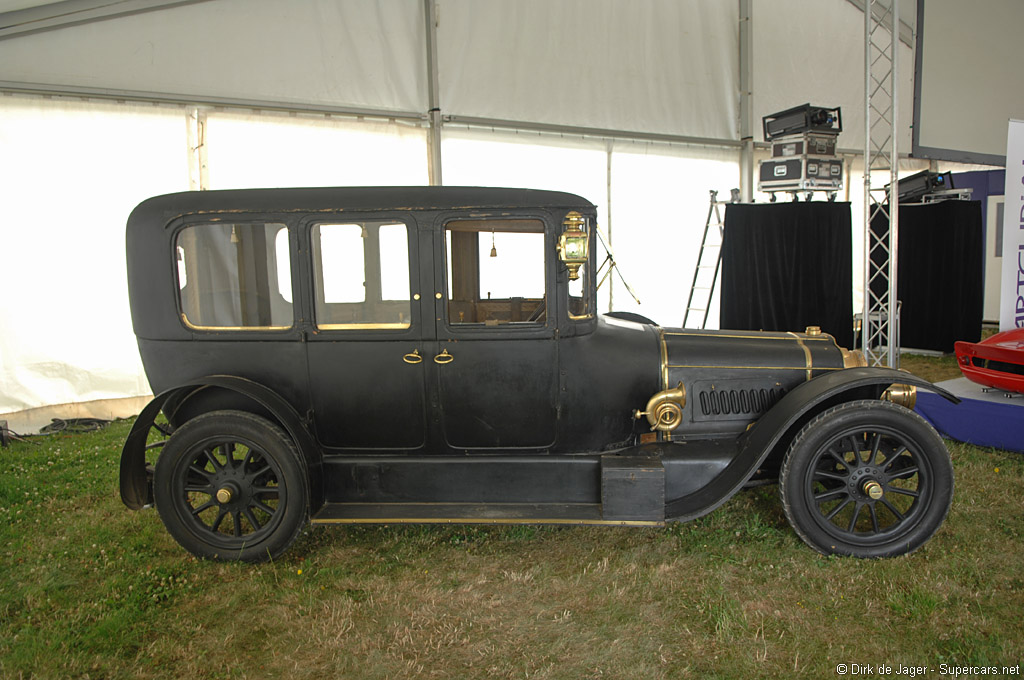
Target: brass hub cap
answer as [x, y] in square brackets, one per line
[225, 494]
[873, 490]
[865, 481]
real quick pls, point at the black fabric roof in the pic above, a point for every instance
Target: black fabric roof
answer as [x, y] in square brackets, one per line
[168, 206]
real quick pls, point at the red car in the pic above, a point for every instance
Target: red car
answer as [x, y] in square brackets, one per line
[995, 362]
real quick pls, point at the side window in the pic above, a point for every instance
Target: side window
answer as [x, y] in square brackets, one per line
[581, 306]
[582, 288]
[362, 275]
[496, 272]
[234, 276]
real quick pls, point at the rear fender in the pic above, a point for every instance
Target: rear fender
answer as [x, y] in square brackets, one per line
[136, 486]
[778, 426]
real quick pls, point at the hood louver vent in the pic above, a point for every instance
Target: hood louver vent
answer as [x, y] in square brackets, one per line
[715, 401]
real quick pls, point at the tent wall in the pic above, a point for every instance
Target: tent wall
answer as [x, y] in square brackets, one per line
[247, 149]
[70, 174]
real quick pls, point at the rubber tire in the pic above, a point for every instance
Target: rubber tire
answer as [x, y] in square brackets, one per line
[255, 432]
[923, 442]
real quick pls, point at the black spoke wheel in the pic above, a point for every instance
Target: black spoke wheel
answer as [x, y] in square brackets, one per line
[866, 479]
[230, 485]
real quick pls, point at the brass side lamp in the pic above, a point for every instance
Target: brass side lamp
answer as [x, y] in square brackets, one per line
[574, 244]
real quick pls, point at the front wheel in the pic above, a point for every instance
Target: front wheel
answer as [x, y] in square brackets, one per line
[866, 479]
[230, 485]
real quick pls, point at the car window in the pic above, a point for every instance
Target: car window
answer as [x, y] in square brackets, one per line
[495, 272]
[362, 275]
[234, 276]
[581, 304]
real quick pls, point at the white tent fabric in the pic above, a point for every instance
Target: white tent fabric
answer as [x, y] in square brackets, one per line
[359, 53]
[247, 150]
[663, 66]
[652, 66]
[527, 160]
[70, 174]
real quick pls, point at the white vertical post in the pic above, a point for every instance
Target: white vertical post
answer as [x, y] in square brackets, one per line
[609, 147]
[198, 172]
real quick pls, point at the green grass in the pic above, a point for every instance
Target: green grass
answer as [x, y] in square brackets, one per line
[89, 589]
[932, 368]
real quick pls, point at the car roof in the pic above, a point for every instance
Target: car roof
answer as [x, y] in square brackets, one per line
[163, 208]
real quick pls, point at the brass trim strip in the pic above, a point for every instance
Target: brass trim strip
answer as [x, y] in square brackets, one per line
[362, 326]
[664, 358]
[192, 326]
[757, 368]
[807, 354]
[787, 337]
[475, 520]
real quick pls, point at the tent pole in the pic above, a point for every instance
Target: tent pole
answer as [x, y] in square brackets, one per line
[608, 188]
[746, 101]
[434, 94]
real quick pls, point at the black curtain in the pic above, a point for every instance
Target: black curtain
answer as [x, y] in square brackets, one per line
[940, 273]
[786, 266]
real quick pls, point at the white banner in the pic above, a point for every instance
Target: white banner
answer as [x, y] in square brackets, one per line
[1011, 312]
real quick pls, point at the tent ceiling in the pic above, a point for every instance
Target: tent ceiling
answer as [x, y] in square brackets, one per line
[20, 17]
[669, 70]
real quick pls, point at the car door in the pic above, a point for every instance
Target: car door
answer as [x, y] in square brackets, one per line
[365, 353]
[496, 360]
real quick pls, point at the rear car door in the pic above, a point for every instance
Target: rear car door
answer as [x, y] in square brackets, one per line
[365, 352]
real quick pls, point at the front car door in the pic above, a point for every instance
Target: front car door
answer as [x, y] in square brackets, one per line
[496, 360]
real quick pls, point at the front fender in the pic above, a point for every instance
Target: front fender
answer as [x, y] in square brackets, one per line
[136, 489]
[779, 425]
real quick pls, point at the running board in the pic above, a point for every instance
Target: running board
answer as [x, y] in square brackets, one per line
[471, 513]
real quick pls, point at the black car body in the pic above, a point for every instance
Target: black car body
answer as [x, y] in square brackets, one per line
[362, 355]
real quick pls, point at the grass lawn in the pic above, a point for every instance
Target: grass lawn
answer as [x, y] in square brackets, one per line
[89, 589]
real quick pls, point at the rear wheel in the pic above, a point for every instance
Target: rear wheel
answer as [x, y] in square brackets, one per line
[230, 485]
[866, 479]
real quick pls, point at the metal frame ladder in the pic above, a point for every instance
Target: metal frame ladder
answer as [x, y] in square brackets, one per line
[710, 249]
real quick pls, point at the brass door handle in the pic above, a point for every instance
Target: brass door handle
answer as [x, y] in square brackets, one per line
[444, 358]
[413, 357]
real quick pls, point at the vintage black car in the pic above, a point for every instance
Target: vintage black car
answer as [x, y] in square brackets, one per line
[391, 355]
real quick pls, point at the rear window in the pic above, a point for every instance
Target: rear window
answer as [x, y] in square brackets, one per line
[235, 276]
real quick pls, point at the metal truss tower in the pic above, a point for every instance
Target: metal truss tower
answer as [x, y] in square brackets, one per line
[880, 321]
